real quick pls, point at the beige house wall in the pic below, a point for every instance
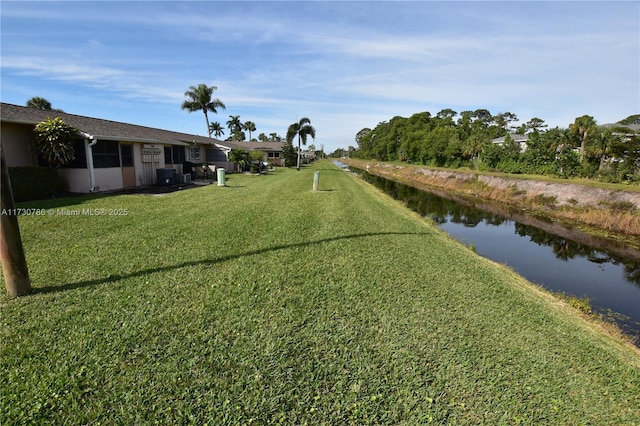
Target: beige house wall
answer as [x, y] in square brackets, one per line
[17, 144]
[76, 180]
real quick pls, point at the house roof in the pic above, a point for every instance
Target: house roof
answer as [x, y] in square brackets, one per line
[99, 128]
[633, 127]
[248, 146]
[514, 137]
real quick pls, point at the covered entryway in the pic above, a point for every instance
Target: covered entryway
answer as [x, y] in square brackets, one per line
[150, 162]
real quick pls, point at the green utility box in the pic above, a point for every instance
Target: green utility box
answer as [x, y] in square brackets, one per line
[221, 181]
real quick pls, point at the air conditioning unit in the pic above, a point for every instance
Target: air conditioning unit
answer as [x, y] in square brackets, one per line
[165, 176]
[184, 178]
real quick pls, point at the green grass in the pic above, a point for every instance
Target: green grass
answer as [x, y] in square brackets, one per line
[267, 303]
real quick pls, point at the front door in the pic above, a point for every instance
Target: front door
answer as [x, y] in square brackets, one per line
[128, 169]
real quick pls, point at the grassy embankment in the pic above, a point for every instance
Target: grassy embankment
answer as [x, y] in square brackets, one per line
[269, 303]
[619, 220]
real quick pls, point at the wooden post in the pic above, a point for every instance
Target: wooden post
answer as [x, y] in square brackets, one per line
[316, 180]
[14, 263]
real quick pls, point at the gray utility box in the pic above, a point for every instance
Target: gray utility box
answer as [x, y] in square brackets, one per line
[165, 176]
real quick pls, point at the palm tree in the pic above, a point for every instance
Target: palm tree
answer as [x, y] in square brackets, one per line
[301, 129]
[42, 104]
[473, 147]
[39, 103]
[234, 124]
[583, 127]
[604, 142]
[239, 157]
[249, 126]
[216, 129]
[273, 137]
[200, 99]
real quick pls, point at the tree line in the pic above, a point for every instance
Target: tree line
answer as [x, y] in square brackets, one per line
[469, 139]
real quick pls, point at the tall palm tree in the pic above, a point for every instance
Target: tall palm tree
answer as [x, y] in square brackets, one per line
[234, 124]
[216, 129]
[301, 129]
[583, 127]
[200, 99]
[249, 126]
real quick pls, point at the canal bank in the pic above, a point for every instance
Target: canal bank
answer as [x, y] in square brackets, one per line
[551, 254]
[612, 214]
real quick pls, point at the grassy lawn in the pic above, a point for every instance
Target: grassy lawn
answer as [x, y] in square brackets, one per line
[267, 303]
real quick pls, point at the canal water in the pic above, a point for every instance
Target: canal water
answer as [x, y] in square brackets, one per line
[556, 257]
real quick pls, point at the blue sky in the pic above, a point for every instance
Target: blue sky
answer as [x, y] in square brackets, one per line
[345, 65]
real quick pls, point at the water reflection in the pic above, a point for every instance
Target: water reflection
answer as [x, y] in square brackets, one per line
[545, 252]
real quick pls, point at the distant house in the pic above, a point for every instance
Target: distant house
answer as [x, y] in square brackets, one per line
[624, 130]
[112, 155]
[307, 156]
[272, 150]
[519, 139]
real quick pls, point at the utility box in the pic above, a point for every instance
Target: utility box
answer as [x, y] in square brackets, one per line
[165, 176]
[221, 177]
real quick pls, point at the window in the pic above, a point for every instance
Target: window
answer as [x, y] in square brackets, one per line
[173, 155]
[126, 151]
[178, 155]
[195, 153]
[273, 155]
[215, 155]
[106, 154]
[80, 153]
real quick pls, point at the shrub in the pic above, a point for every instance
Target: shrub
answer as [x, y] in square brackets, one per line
[34, 183]
[508, 166]
[55, 141]
[619, 206]
[289, 155]
[545, 200]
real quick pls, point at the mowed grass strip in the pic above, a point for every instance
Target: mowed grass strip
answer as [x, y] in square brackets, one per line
[265, 302]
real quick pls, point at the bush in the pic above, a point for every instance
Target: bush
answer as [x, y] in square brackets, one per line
[34, 183]
[508, 165]
[55, 141]
[289, 155]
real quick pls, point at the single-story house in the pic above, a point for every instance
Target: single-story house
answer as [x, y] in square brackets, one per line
[521, 140]
[111, 155]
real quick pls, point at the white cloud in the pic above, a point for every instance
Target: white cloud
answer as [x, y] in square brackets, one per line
[346, 65]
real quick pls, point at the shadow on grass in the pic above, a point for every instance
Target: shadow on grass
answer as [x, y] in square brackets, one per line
[118, 277]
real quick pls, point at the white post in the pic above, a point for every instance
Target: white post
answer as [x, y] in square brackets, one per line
[316, 180]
